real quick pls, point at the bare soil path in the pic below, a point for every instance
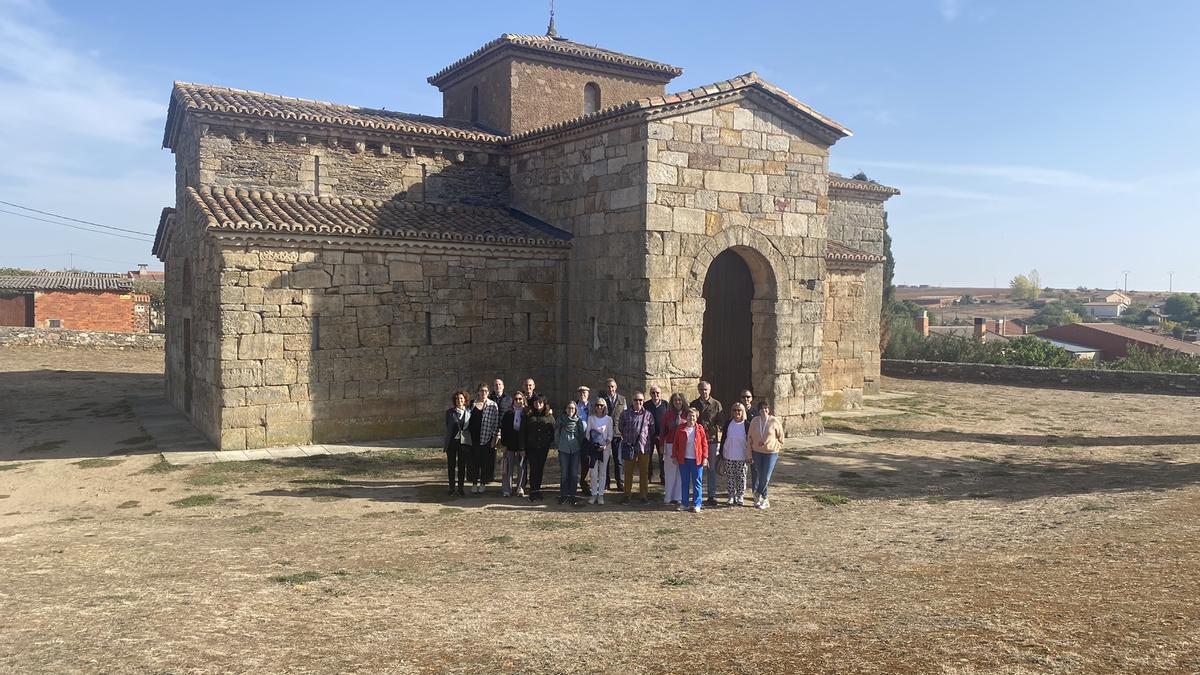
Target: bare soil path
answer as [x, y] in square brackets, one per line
[994, 529]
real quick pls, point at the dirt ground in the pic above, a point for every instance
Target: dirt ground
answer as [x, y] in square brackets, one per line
[991, 529]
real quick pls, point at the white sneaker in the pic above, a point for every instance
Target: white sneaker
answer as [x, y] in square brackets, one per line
[765, 503]
[739, 502]
[520, 492]
[730, 501]
[757, 499]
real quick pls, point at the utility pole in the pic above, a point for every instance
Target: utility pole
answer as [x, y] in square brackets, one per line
[1170, 282]
[1126, 273]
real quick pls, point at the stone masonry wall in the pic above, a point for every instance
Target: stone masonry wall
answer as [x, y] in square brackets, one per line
[544, 93]
[286, 162]
[494, 82]
[595, 188]
[858, 221]
[17, 336]
[334, 344]
[191, 381]
[845, 340]
[738, 176]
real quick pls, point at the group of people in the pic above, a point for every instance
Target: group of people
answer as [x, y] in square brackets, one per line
[593, 434]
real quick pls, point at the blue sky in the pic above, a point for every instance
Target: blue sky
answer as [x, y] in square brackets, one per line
[1061, 136]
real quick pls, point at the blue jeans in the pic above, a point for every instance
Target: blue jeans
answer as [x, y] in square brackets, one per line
[764, 465]
[691, 483]
[568, 465]
[618, 464]
[712, 478]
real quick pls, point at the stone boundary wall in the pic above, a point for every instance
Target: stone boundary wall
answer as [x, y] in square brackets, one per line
[1051, 378]
[59, 337]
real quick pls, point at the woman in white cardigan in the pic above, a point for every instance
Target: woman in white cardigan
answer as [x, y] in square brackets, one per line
[600, 433]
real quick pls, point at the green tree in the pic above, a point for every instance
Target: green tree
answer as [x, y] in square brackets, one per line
[1059, 313]
[1180, 307]
[1022, 288]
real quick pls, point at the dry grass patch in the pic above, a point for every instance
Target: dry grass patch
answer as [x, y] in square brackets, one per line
[195, 500]
[97, 463]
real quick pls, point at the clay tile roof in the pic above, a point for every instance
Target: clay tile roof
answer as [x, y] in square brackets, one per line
[258, 211]
[696, 94]
[838, 181]
[839, 252]
[1126, 332]
[252, 104]
[557, 46]
[67, 281]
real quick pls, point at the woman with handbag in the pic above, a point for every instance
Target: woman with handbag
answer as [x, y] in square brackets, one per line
[568, 433]
[690, 448]
[537, 435]
[675, 416]
[457, 444]
[735, 454]
[600, 435]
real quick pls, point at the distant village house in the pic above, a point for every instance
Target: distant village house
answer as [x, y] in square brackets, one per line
[76, 301]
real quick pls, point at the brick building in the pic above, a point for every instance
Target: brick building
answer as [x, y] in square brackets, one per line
[1112, 341]
[334, 272]
[97, 302]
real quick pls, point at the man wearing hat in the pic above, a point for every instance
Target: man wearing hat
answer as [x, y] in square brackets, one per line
[583, 410]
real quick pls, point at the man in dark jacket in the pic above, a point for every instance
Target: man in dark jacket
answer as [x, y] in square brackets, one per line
[503, 400]
[710, 418]
[657, 406]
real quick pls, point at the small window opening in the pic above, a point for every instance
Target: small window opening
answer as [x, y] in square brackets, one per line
[316, 332]
[316, 175]
[591, 98]
[428, 328]
[186, 291]
[54, 323]
[528, 326]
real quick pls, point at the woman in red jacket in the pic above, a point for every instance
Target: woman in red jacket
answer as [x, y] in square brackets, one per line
[672, 420]
[690, 449]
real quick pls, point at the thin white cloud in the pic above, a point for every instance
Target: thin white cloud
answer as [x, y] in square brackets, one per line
[950, 9]
[1013, 173]
[47, 87]
[944, 192]
[78, 138]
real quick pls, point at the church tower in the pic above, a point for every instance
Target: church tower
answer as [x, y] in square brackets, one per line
[520, 82]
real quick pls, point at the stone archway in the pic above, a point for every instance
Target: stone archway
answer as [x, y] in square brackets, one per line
[726, 343]
[744, 252]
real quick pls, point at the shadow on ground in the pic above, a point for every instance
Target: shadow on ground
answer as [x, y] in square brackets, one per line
[57, 414]
[869, 472]
[1029, 439]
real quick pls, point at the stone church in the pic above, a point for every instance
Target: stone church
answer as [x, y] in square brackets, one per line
[335, 272]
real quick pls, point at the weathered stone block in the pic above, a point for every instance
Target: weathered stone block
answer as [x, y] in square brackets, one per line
[688, 221]
[311, 278]
[260, 346]
[725, 181]
[405, 271]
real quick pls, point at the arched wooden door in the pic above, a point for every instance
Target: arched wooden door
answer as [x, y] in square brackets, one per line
[728, 327]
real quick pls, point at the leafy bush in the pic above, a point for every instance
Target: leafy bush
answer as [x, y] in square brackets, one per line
[1025, 350]
[1155, 361]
